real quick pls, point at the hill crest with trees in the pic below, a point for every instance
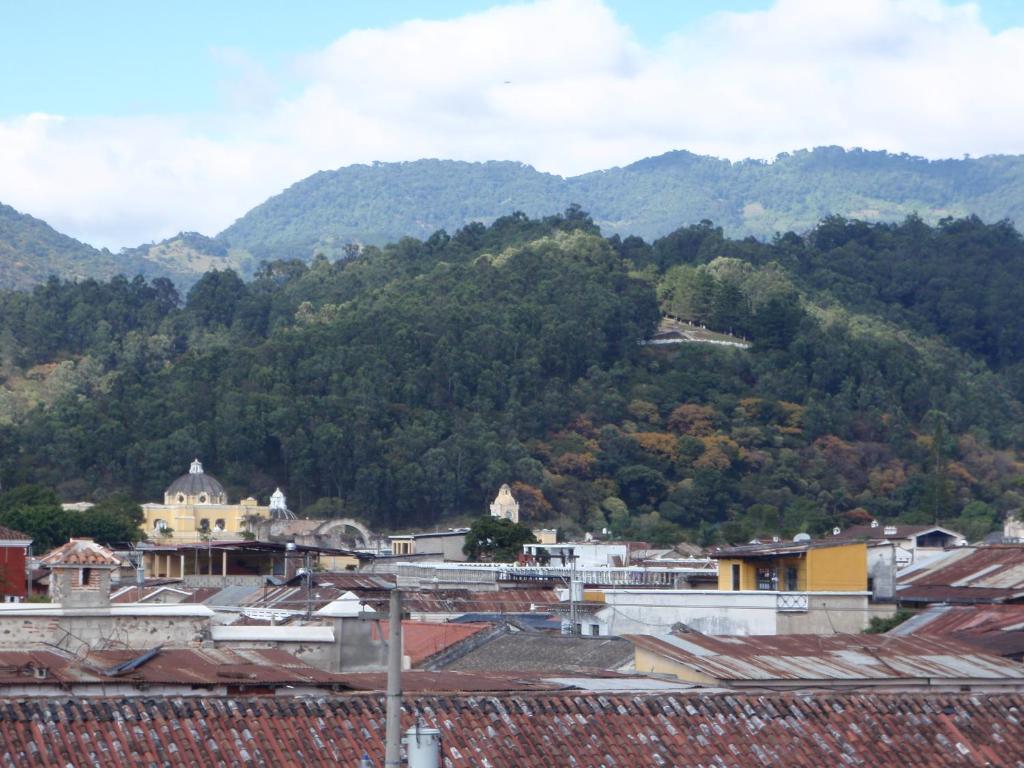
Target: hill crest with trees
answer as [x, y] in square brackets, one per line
[334, 212]
[404, 384]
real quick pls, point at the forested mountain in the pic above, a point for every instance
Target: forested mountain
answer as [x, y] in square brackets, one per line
[404, 384]
[332, 212]
[31, 250]
[384, 201]
[185, 257]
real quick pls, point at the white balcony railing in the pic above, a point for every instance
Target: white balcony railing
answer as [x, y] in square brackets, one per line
[791, 601]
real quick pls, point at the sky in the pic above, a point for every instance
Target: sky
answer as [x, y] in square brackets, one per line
[127, 122]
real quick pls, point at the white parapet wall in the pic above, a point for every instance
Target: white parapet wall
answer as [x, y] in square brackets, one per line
[714, 612]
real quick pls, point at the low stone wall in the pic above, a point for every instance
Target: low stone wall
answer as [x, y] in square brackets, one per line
[100, 631]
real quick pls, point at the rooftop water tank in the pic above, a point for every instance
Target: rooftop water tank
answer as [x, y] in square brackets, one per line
[423, 747]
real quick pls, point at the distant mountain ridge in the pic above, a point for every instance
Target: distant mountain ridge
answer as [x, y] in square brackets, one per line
[382, 202]
[31, 250]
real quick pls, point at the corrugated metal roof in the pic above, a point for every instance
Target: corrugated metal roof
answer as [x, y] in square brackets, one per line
[986, 574]
[996, 629]
[469, 601]
[524, 730]
[178, 666]
[776, 548]
[889, 532]
[846, 658]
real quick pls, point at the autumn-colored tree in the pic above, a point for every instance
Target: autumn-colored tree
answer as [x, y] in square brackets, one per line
[693, 419]
[532, 504]
[660, 444]
[578, 464]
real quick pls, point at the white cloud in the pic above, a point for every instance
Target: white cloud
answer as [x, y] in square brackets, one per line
[560, 84]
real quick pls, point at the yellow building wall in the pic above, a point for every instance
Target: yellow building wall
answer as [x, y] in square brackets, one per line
[650, 663]
[546, 535]
[185, 520]
[838, 569]
[748, 574]
[826, 569]
[339, 562]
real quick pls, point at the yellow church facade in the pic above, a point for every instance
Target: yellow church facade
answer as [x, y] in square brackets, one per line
[196, 507]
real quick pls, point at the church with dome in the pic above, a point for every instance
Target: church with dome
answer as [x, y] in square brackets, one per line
[196, 506]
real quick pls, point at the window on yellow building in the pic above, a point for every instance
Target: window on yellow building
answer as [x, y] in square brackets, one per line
[791, 579]
[767, 578]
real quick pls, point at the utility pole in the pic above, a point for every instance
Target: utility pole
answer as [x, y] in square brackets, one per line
[393, 732]
[309, 586]
[572, 593]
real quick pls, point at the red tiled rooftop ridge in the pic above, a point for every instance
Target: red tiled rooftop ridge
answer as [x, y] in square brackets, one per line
[81, 551]
[534, 730]
[9, 534]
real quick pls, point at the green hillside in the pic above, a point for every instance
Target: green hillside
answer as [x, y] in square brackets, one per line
[31, 250]
[404, 384]
[185, 257]
[381, 202]
[333, 212]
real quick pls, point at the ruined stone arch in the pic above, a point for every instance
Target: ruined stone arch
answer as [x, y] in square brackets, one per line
[346, 522]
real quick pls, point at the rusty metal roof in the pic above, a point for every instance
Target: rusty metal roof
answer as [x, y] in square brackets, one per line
[996, 629]
[776, 548]
[177, 666]
[887, 532]
[469, 601]
[991, 573]
[830, 659]
[523, 730]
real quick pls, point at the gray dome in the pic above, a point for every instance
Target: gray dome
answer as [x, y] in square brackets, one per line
[195, 483]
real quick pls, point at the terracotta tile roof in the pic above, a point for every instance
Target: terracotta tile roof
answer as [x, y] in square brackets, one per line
[79, 552]
[991, 573]
[9, 534]
[421, 640]
[782, 660]
[523, 730]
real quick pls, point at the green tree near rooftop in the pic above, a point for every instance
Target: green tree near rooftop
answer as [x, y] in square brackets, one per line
[496, 540]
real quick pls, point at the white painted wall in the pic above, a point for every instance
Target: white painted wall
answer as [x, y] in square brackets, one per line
[654, 612]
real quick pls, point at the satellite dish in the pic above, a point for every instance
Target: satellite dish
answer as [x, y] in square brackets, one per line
[802, 537]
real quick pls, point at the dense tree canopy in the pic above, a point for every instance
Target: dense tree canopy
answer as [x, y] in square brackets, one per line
[496, 540]
[404, 384]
